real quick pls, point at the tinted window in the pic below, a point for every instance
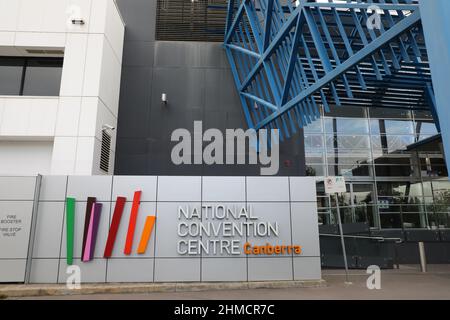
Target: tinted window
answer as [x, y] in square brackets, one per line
[43, 77]
[30, 76]
[11, 71]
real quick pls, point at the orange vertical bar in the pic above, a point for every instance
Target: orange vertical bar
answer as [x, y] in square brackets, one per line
[148, 228]
[132, 223]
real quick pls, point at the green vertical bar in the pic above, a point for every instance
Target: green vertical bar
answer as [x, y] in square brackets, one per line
[70, 222]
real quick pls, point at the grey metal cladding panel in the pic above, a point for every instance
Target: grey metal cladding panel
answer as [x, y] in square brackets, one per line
[44, 271]
[49, 228]
[165, 120]
[302, 189]
[173, 270]
[135, 86]
[134, 108]
[140, 19]
[91, 272]
[223, 189]
[224, 269]
[184, 88]
[178, 54]
[179, 189]
[12, 270]
[126, 270]
[267, 189]
[138, 54]
[132, 146]
[131, 164]
[125, 186]
[53, 188]
[307, 268]
[262, 269]
[221, 93]
[214, 56]
[82, 187]
[305, 231]
[17, 188]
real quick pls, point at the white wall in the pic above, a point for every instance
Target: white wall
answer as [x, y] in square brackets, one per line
[90, 84]
[25, 157]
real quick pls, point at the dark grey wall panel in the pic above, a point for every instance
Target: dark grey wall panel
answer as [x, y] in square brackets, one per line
[199, 85]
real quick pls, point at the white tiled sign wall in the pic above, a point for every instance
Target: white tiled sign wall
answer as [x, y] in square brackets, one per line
[16, 205]
[289, 201]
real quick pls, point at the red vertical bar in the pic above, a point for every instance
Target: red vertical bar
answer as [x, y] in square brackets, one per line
[132, 223]
[117, 216]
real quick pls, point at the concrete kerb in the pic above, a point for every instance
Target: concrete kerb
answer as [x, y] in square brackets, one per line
[16, 291]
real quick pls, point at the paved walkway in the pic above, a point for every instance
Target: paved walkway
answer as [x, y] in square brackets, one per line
[405, 283]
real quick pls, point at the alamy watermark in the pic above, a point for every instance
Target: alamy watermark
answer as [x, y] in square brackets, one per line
[374, 280]
[73, 281]
[238, 145]
[374, 20]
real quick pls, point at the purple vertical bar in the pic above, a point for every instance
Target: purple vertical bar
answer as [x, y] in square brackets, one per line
[95, 224]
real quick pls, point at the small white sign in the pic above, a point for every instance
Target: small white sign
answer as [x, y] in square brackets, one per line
[335, 185]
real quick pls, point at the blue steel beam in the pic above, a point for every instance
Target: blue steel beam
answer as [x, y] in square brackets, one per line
[355, 59]
[318, 53]
[436, 24]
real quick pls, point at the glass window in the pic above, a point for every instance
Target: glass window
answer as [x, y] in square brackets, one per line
[314, 157]
[392, 143]
[389, 113]
[390, 221]
[347, 126]
[315, 170]
[349, 170]
[426, 128]
[399, 189]
[43, 77]
[314, 127]
[347, 142]
[313, 141]
[11, 71]
[30, 76]
[399, 127]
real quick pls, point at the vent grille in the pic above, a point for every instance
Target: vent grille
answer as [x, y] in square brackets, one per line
[187, 20]
[105, 152]
[40, 51]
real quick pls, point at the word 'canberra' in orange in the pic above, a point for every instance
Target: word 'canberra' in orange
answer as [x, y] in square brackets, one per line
[269, 249]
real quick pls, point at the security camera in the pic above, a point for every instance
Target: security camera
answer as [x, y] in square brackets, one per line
[108, 127]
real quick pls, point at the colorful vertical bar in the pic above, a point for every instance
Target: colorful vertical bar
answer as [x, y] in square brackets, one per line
[132, 223]
[148, 228]
[91, 238]
[87, 219]
[117, 216]
[70, 226]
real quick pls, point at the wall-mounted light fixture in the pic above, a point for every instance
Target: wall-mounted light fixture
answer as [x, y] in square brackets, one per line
[79, 22]
[164, 98]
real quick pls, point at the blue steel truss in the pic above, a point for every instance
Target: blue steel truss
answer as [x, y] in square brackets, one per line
[290, 58]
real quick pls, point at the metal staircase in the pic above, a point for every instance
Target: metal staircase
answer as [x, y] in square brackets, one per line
[290, 58]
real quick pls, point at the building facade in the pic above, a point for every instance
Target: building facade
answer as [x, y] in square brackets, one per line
[393, 160]
[60, 72]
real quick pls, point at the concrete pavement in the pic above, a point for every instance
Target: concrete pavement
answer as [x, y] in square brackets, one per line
[406, 283]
